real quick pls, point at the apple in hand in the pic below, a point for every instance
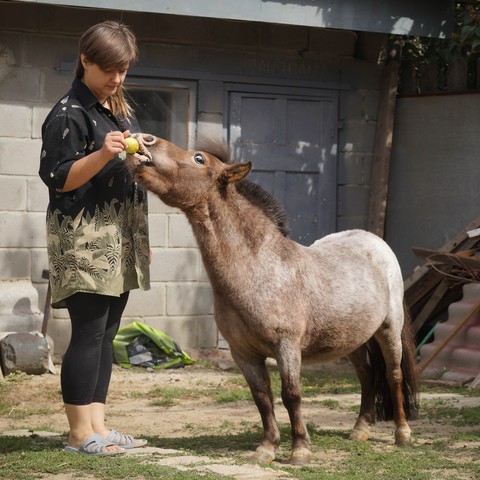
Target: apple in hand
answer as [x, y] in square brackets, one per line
[132, 145]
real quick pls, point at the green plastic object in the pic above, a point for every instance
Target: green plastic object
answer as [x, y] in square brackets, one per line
[175, 356]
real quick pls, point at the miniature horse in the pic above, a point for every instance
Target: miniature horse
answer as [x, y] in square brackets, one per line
[340, 297]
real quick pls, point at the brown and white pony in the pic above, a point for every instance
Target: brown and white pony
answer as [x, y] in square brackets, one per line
[340, 297]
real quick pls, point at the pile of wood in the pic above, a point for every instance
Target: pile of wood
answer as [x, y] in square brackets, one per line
[438, 282]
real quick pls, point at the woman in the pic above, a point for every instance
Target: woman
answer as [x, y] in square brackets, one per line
[97, 232]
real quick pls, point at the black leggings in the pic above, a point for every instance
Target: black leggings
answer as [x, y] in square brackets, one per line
[87, 364]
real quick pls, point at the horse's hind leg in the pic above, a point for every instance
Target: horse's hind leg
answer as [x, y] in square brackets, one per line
[390, 342]
[258, 379]
[366, 417]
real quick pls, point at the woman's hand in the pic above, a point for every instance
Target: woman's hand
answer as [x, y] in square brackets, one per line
[113, 144]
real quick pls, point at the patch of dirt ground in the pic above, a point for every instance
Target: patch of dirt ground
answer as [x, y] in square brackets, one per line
[131, 408]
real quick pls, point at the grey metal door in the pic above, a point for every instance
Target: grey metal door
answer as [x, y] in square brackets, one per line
[290, 135]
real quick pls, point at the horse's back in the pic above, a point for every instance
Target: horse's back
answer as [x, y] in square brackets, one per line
[358, 263]
[353, 246]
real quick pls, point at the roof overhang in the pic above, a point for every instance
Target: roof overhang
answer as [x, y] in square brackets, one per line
[401, 17]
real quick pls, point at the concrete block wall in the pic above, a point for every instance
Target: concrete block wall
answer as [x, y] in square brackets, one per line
[36, 39]
[358, 115]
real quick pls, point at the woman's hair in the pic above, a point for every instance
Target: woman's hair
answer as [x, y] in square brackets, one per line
[110, 45]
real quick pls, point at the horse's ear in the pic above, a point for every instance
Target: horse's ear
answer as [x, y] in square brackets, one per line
[235, 172]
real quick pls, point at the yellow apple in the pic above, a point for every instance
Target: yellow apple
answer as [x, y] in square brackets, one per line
[132, 145]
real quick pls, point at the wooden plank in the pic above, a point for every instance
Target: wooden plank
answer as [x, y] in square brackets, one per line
[462, 259]
[426, 362]
[457, 242]
[453, 245]
[473, 233]
[422, 286]
[430, 306]
[383, 143]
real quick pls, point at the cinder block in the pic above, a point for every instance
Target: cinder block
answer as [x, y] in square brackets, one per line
[155, 205]
[14, 263]
[37, 195]
[352, 105]
[14, 193]
[18, 296]
[351, 222]
[202, 276]
[157, 228]
[371, 105]
[21, 229]
[20, 156]
[354, 168]
[15, 121]
[44, 51]
[55, 85]
[39, 264]
[361, 74]
[174, 265]
[189, 299]
[210, 125]
[60, 331]
[353, 200]
[194, 332]
[210, 96]
[41, 289]
[39, 115]
[357, 136]
[145, 303]
[180, 232]
[21, 85]
[11, 45]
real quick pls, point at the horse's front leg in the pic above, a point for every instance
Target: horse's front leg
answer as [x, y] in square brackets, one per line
[258, 379]
[289, 361]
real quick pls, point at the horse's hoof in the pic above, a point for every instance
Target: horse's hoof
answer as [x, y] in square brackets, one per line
[403, 437]
[359, 435]
[264, 455]
[300, 456]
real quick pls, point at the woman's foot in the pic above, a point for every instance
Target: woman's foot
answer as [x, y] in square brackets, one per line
[79, 443]
[124, 441]
[97, 446]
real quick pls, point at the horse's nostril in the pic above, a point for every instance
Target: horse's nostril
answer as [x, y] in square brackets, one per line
[148, 139]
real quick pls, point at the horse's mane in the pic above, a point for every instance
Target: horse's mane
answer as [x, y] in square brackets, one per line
[254, 193]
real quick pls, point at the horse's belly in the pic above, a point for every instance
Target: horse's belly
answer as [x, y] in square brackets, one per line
[244, 339]
[333, 338]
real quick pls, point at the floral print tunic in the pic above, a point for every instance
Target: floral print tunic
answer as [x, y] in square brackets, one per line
[97, 235]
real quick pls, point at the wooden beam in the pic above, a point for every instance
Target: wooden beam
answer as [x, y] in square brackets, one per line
[383, 143]
[429, 307]
[464, 259]
[453, 245]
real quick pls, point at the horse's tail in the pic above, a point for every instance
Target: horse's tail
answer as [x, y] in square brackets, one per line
[383, 397]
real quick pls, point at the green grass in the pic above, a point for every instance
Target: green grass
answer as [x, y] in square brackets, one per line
[27, 458]
[335, 457]
[235, 389]
[33, 458]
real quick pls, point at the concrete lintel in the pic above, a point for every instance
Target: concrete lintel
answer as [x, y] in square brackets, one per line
[402, 17]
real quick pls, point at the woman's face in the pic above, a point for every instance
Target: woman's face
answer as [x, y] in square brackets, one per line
[102, 83]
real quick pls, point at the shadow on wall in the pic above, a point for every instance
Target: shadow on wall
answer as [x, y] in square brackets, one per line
[409, 17]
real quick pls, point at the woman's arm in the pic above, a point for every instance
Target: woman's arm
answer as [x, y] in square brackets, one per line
[87, 167]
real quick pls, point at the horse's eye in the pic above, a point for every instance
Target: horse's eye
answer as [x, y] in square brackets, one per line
[199, 159]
